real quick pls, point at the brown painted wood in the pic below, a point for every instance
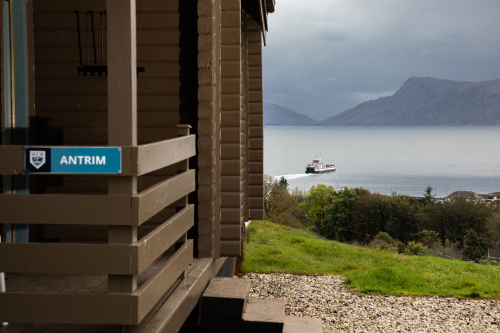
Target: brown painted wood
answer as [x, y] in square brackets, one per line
[230, 232]
[66, 209]
[68, 308]
[230, 248]
[173, 313]
[11, 160]
[67, 258]
[96, 136]
[162, 238]
[100, 103]
[151, 201]
[158, 155]
[151, 291]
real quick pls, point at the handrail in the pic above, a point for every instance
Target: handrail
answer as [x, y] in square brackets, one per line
[67, 258]
[136, 160]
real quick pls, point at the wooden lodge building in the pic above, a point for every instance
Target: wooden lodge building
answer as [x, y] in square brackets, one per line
[131, 155]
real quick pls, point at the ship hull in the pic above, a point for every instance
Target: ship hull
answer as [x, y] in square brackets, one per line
[322, 171]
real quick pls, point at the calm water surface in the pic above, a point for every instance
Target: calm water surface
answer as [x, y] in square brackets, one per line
[385, 159]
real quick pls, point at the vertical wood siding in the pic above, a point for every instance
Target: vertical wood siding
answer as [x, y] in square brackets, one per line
[231, 104]
[209, 128]
[255, 120]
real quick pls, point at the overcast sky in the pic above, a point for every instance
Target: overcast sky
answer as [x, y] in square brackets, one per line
[325, 56]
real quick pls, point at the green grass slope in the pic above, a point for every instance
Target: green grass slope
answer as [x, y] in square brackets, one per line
[273, 248]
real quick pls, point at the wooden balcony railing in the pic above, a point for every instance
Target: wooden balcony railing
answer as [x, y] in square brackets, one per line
[68, 282]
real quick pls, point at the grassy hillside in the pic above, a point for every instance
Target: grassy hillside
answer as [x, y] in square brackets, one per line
[273, 248]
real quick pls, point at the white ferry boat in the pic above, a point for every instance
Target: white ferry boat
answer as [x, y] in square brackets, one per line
[318, 167]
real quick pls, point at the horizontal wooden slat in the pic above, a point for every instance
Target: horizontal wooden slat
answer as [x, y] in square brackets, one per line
[256, 191]
[66, 20]
[67, 258]
[95, 258]
[99, 119]
[151, 5]
[151, 201]
[230, 215]
[231, 183]
[172, 314]
[136, 161]
[66, 209]
[232, 199]
[145, 36]
[230, 151]
[164, 69]
[76, 86]
[256, 214]
[153, 245]
[230, 248]
[151, 291]
[256, 203]
[230, 232]
[144, 53]
[41, 300]
[231, 167]
[158, 155]
[97, 136]
[22, 307]
[72, 103]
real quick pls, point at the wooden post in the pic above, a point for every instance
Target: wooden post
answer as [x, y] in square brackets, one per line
[183, 130]
[122, 115]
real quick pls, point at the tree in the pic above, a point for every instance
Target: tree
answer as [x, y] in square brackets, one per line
[280, 206]
[370, 214]
[283, 183]
[474, 249]
[428, 197]
[316, 202]
[339, 216]
[451, 218]
[403, 223]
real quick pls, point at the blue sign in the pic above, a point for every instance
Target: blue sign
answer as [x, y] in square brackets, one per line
[75, 160]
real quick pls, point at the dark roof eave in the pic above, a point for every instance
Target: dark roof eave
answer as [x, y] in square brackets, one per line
[270, 5]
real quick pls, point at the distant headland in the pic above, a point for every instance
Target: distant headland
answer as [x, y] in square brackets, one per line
[426, 102]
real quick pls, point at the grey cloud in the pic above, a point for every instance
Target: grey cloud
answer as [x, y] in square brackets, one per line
[372, 47]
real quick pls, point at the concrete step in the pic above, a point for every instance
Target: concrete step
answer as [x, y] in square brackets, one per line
[302, 325]
[225, 298]
[263, 316]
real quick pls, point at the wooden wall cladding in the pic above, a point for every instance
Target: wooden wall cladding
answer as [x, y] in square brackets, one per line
[208, 127]
[231, 114]
[255, 122]
[72, 109]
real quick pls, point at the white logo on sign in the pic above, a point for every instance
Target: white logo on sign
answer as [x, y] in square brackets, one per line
[37, 158]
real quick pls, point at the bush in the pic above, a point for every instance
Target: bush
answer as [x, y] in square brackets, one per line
[401, 247]
[384, 236]
[475, 249]
[429, 238]
[280, 206]
[379, 244]
[415, 249]
[490, 261]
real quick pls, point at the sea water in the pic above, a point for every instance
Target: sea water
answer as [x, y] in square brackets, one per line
[404, 159]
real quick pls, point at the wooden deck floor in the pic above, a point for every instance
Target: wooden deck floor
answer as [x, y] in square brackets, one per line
[71, 284]
[93, 284]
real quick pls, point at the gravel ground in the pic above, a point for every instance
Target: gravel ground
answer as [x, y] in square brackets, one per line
[341, 311]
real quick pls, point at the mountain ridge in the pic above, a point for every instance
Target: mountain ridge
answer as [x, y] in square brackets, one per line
[277, 115]
[427, 101]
